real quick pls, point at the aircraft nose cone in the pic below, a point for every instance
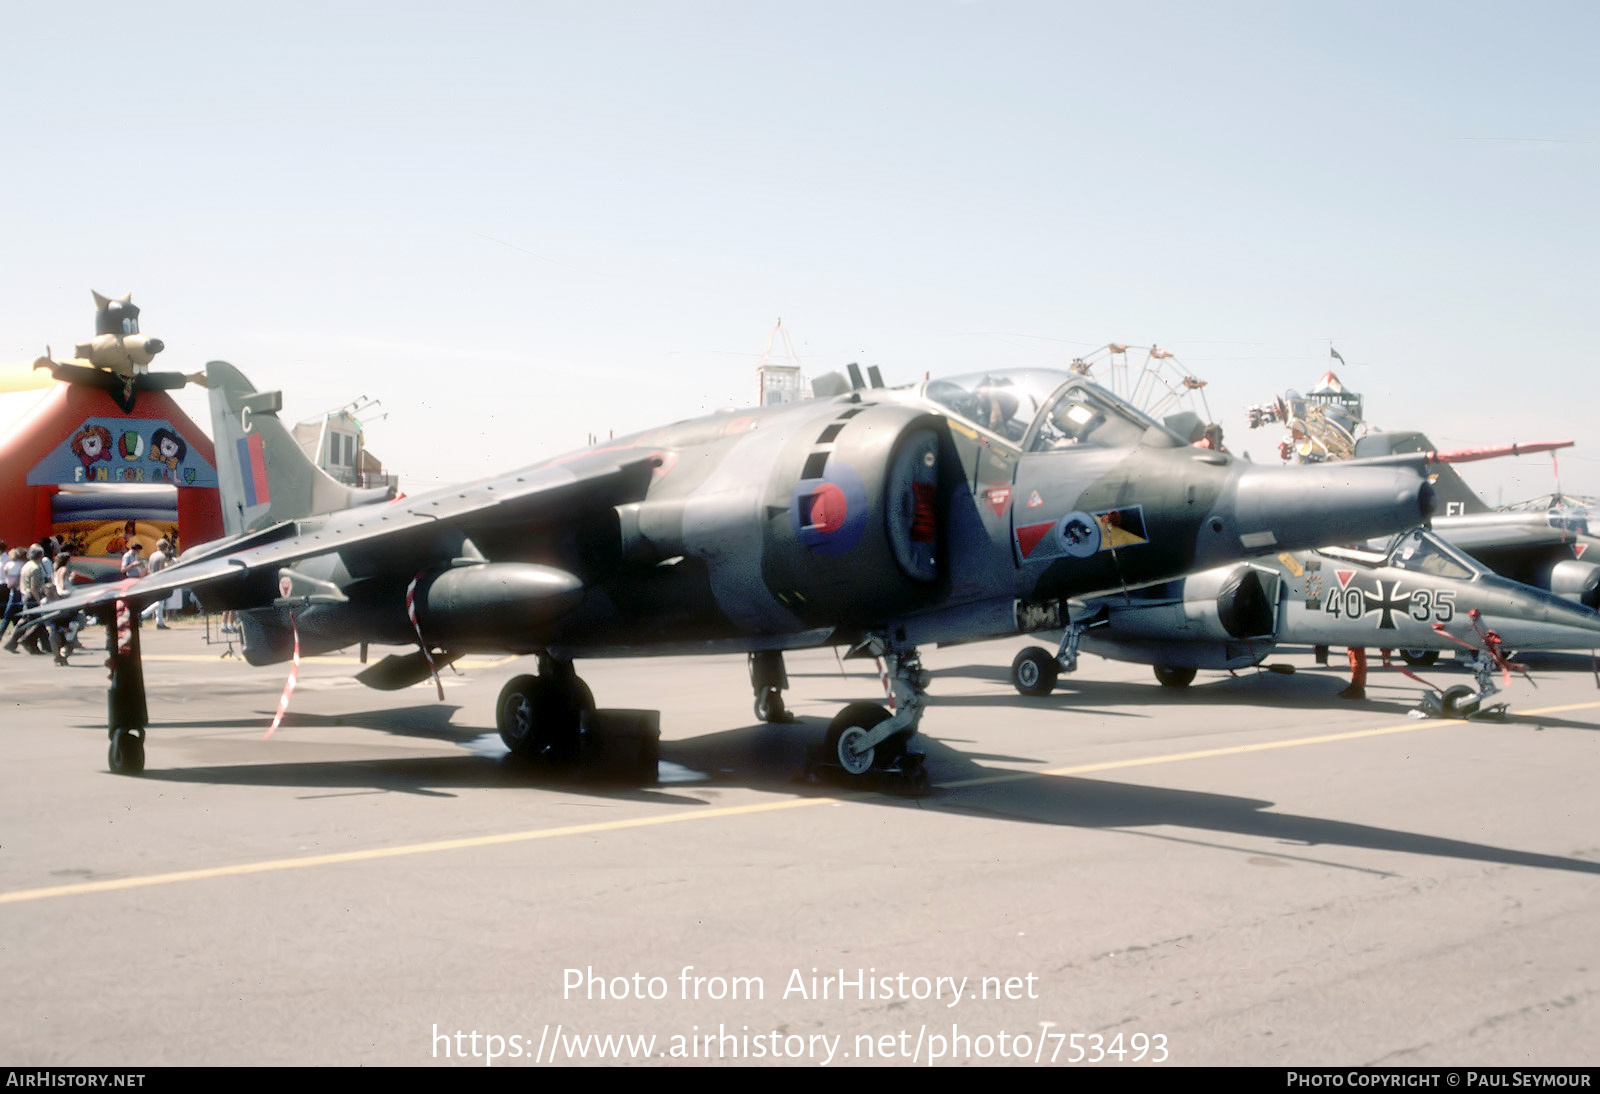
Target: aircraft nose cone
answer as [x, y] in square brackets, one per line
[1430, 501]
[1532, 619]
[1270, 509]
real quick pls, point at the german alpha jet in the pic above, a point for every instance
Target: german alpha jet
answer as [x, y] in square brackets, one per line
[1551, 546]
[1419, 596]
[876, 519]
[1544, 546]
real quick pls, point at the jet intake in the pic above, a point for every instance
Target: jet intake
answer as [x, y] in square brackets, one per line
[493, 600]
[1576, 581]
[1237, 602]
[855, 528]
[1244, 606]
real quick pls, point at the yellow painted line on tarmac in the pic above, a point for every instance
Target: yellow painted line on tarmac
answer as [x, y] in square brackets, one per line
[463, 844]
[468, 843]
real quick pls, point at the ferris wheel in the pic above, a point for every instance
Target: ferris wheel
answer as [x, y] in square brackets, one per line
[1149, 377]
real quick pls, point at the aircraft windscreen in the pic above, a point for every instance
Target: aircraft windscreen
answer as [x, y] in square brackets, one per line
[1004, 401]
[1084, 414]
[1423, 553]
[1570, 520]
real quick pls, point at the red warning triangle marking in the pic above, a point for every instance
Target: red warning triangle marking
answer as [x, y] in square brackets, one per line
[1578, 549]
[1344, 577]
[1029, 535]
[997, 497]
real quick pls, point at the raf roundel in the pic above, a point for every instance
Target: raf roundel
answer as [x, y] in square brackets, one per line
[827, 509]
[829, 514]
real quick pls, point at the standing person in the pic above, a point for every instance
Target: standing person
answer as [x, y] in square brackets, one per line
[132, 564]
[61, 584]
[11, 567]
[158, 562]
[1358, 674]
[35, 588]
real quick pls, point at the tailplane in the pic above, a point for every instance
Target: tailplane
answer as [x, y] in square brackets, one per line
[264, 476]
[1454, 496]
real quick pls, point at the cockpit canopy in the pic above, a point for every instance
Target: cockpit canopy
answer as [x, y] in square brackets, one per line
[1045, 409]
[1422, 552]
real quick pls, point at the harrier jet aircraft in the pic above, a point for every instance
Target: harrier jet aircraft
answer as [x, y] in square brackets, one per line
[1420, 596]
[872, 518]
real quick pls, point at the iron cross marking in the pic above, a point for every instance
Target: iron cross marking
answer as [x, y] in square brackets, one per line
[1388, 601]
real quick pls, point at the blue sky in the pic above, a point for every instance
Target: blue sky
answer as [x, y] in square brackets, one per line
[517, 224]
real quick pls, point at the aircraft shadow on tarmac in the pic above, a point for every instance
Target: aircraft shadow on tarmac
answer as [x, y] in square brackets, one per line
[1080, 693]
[778, 758]
[1305, 689]
[433, 721]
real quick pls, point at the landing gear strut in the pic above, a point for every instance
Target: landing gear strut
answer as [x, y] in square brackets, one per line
[126, 711]
[868, 741]
[1462, 701]
[540, 716]
[768, 679]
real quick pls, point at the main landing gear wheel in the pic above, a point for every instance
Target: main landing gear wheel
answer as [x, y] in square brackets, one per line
[1419, 658]
[126, 754]
[539, 719]
[1459, 702]
[848, 728]
[1174, 676]
[1034, 671]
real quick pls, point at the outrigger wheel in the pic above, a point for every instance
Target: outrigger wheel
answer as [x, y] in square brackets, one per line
[540, 719]
[126, 754]
[769, 706]
[1034, 671]
[1174, 676]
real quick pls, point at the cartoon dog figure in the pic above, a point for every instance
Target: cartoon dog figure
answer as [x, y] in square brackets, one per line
[118, 346]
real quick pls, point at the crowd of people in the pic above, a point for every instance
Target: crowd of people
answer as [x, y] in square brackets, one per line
[42, 572]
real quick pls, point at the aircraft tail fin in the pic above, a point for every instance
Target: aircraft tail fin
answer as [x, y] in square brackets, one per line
[264, 476]
[1454, 496]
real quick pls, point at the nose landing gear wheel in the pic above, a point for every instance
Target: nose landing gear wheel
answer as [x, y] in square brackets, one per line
[1456, 702]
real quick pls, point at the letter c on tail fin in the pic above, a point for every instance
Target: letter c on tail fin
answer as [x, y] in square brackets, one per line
[264, 476]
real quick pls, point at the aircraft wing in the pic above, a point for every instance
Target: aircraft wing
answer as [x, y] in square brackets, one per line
[1507, 532]
[527, 501]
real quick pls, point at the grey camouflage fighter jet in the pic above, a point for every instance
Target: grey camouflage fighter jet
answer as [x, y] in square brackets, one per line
[1420, 596]
[877, 519]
